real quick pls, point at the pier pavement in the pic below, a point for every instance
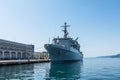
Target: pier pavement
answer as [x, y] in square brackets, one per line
[27, 61]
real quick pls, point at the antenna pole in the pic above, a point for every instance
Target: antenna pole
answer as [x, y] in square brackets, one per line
[65, 30]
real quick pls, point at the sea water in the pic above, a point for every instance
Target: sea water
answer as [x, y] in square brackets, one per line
[88, 69]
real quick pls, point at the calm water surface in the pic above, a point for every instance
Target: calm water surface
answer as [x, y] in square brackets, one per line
[89, 69]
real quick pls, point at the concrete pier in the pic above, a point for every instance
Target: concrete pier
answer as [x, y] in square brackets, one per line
[16, 62]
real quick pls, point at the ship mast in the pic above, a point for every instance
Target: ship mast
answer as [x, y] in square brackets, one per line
[65, 29]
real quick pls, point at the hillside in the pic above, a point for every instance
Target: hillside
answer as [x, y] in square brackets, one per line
[111, 56]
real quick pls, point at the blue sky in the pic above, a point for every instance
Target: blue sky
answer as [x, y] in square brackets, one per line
[95, 22]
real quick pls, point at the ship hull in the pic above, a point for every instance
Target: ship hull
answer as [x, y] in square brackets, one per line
[60, 54]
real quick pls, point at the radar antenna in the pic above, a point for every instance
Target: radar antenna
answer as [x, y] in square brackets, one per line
[65, 29]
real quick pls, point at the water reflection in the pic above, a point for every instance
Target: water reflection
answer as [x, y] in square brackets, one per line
[41, 71]
[17, 72]
[69, 71]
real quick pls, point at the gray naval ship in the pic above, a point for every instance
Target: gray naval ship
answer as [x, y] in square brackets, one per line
[64, 49]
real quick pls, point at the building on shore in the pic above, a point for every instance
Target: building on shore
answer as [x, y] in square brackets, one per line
[41, 55]
[15, 50]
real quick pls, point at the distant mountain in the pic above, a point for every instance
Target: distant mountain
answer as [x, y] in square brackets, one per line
[111, 56]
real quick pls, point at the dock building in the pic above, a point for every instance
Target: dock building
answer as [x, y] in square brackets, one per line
[41, 55]
[15, 50]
